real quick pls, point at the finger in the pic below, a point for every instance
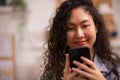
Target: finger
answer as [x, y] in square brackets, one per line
[73, 75]
[83, 73]
[88, 62]
[79, 78]
[67, 64]
[83, 67]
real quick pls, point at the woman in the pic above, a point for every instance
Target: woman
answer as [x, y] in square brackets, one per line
[77, 23]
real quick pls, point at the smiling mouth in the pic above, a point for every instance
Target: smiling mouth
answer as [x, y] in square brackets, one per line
[80, 43]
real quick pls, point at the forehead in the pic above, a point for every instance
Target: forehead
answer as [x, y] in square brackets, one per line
[79, 14]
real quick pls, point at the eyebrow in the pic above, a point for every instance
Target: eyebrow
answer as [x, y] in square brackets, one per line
[84, 21]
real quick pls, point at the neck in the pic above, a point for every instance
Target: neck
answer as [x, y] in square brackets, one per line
[92, 54]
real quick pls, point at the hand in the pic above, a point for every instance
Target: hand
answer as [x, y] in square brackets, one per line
[87, 69]
[68, 74]
[91, 72]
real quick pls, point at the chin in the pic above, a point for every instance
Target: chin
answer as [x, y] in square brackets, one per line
[80, 46]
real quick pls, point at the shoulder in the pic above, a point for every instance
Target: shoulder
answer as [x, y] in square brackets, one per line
[116, 60]
[118, 68]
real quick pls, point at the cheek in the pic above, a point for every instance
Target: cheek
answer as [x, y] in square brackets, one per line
[92, 35]
[93, 31]
[69, 37]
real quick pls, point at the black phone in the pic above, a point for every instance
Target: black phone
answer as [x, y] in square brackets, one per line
[76, 53]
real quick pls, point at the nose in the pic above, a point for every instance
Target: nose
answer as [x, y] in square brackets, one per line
[79, 33]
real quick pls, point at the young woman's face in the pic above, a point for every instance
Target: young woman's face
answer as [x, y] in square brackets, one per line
[81, 29]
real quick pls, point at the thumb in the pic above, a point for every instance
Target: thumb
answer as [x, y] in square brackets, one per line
[67, 64]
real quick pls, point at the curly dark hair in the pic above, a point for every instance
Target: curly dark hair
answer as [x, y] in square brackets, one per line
[54, 58]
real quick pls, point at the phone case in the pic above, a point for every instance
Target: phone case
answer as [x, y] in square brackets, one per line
[76, 53]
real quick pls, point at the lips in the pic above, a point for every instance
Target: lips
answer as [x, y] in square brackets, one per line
[80, 43]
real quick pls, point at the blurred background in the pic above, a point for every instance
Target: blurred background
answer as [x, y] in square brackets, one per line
[23, 32]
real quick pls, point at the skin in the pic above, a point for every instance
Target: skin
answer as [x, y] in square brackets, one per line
[81, 32]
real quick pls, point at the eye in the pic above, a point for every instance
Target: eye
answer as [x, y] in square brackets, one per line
[70, 28]
[85, 26]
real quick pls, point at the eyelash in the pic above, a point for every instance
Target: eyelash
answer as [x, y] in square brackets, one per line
[85, 26]
[70, 28]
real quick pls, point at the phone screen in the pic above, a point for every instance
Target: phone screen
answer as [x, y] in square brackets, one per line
[76, 53]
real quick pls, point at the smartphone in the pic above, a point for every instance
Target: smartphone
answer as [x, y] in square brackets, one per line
[76, 53]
